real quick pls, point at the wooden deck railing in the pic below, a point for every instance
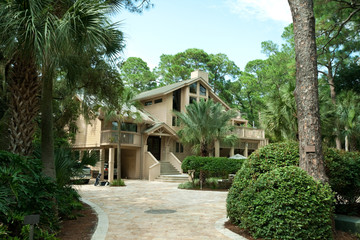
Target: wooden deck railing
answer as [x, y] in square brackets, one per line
[111, 137]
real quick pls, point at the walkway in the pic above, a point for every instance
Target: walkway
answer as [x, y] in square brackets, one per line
[157, 210]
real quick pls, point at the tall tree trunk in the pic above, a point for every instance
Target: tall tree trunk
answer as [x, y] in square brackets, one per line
[24, 89]
[47, 133]
[330, 79]
[346, 141]
[306, 92]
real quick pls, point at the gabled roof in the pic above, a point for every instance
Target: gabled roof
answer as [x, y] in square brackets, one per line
[160, 129]
[168, 89]
[157, 92]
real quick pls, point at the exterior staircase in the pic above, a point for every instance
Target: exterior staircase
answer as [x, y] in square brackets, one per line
[168, 173]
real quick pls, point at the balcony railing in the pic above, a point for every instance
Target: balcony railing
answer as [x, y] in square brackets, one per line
[243, 132]
[111, 137]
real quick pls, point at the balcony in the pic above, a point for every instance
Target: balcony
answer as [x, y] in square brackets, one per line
[110, 137]
[249, 133]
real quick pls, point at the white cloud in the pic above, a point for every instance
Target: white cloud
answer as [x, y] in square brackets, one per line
[263, 10]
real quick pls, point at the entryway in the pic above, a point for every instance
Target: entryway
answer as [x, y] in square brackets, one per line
[154, 146]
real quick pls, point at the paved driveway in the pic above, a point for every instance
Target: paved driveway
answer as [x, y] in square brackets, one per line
[156, 210]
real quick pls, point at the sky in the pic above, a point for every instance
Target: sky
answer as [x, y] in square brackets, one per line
[233, 27]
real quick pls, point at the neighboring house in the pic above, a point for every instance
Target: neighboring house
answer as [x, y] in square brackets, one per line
[151, 148]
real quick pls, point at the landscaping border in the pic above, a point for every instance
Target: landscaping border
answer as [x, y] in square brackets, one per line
[103, 221]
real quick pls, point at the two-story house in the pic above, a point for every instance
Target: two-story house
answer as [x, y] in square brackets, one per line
[149, 146]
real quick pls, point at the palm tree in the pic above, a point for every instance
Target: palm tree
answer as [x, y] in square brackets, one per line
[348, 109]
[204, 123]
[124, 109]
[35, 34]
[279, 117]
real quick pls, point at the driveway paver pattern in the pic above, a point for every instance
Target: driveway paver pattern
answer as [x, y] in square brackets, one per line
[158, 210]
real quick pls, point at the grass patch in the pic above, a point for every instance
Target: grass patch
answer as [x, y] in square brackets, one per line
[117, 183]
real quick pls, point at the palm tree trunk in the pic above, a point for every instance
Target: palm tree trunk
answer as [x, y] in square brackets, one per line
[119, 151]
[346, 141]
[47, 134]
[330, 79]
[24, 89]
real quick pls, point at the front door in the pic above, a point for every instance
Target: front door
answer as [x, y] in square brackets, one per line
[154, 146]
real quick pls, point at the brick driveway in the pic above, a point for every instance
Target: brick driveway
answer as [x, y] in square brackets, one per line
[156, 210]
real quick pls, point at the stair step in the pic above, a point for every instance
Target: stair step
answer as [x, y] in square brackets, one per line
[166, 168]
[180, 178]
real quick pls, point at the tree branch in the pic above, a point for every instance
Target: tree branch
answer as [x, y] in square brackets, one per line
[342, 26]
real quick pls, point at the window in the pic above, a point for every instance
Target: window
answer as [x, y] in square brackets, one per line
[192, 99]
[175, 121]
[129, 127]
[193, 88]
[202, 90]
[158, 100]
[177, 100]
[114, 126]
[179, 148]
[148, 103]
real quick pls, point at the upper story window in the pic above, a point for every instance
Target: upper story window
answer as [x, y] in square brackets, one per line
[129, 127]
[193, 88]
[202, 90]
[158, 100]
[192, 99]
[177, 100]
[148, 103]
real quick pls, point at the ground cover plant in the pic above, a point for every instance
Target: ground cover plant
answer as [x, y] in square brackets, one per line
[24, 190]
[118, 182]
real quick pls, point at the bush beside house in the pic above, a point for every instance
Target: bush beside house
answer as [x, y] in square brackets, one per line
[286, 203]
[212, 166]
[341, 167]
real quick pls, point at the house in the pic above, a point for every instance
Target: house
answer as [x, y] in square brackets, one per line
[151, 147]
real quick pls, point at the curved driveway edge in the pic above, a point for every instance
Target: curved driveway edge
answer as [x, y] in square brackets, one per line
[219, 225]
[103, 221]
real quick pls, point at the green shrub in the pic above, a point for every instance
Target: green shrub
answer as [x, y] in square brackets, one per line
[343, 170]
[190, 185]
[286, 203]
[117, 182]
[261, 161]
[25, 191]
[212, 166]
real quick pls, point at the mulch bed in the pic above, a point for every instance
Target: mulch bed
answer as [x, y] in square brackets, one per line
[81, 228]
[339, 235]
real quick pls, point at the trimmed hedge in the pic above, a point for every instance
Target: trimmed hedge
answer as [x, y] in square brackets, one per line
[286, 203]
[343, 170]
[212, 166]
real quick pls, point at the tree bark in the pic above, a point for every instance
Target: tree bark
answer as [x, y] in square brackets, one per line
[24, 88]
[306, 91]
[47, 134]
[330, 79]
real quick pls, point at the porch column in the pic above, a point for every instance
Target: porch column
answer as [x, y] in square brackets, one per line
[118, 166]
[102, 162]
[217, 149]
[246, 150]
[232, 151]
[111, 164]
[81, 155]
